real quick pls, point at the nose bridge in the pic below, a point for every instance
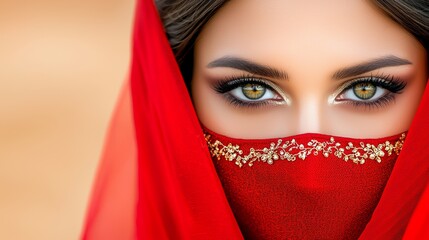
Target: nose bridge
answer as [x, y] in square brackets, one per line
[309, 115]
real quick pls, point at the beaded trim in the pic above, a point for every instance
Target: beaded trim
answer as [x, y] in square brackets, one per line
[292, 150]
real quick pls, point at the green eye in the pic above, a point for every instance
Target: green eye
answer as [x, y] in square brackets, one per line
[364, 91]
[253, 91]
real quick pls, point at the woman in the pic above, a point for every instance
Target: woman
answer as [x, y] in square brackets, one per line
[246, 80]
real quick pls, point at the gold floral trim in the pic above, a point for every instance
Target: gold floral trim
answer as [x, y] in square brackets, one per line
[292, 150]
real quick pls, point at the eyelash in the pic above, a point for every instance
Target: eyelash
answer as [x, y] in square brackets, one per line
[230, 83]
[392, 84]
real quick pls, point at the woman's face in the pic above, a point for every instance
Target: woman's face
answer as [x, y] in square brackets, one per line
[276, 68]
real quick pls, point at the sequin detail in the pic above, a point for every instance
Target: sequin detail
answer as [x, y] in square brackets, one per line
[292, 150]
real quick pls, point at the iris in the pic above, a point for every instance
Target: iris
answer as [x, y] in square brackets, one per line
[364, 91]
[253, 91]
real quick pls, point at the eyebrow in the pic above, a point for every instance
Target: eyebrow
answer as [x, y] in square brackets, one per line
[248, 66]
[386, 61]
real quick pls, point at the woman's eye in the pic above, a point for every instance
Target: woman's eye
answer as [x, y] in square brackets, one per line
[371, 91]
[254, 92]
[251, 92]
[362, 92]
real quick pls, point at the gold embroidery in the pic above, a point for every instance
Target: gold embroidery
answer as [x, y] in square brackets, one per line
[291, 150]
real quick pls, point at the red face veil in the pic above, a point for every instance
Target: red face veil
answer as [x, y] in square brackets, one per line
[157, 179]
[310, 186]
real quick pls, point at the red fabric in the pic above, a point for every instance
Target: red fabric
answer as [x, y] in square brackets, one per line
[315, 198]
[406, 184]
[114, 193]
[177, 184]
[156, 179]
[179, 195]
[418, 226]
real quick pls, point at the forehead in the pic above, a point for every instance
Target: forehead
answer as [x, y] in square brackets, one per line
[334, 29]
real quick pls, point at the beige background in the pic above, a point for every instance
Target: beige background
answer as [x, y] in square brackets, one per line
[61, 66]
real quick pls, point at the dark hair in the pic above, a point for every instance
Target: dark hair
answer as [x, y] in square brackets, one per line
[184, 19]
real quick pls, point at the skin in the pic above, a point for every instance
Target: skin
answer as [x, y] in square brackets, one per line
[309, 41]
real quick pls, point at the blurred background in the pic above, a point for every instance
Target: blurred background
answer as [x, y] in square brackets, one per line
[62, 64]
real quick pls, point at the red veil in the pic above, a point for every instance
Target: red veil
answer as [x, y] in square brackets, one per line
[157, 180]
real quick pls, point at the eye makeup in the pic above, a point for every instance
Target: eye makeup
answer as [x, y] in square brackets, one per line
[235, 90]
[384, 88]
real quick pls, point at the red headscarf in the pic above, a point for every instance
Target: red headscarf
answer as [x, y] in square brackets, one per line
[157, 180]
